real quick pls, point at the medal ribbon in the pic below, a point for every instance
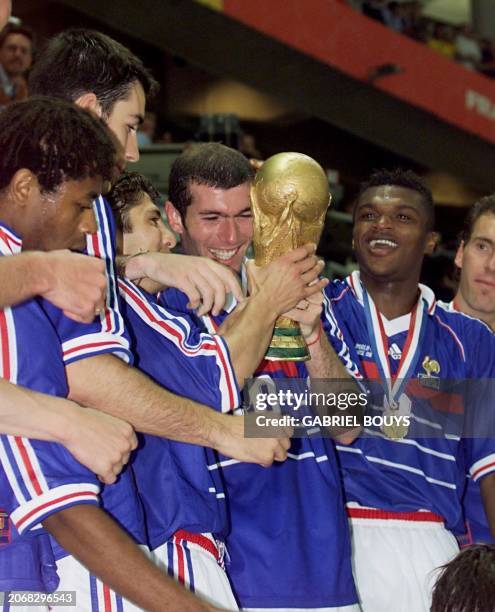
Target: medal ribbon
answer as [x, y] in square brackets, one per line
[393, 386]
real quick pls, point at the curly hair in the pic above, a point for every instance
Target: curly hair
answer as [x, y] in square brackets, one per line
[56, 140]
[79, 61]
[407, 179]
[127, 193]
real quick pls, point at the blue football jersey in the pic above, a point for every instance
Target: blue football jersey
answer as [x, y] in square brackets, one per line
[40, 478]
[426, 469]
[176, 486]
[288, 542]
[106, 334]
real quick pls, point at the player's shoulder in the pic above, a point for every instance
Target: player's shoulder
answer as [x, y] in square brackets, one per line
[338, 290]
[470, 328]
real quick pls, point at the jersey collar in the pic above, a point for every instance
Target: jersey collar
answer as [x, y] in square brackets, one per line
[354, 282]
[10, 242]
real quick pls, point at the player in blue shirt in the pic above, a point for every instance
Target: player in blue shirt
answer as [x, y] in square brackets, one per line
[288, 542]
[47, 192]
[184, 500]
[403, 485]
[476, 297]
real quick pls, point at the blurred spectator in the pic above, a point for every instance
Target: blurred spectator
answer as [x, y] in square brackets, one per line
[467, 48]
[414, 24]
[487, 66]
[146, 133]
[392, 16]
[467, 583]
[16, 56]
[374, 9]
[442, 40]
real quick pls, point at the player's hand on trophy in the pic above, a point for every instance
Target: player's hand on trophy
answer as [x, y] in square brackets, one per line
[307, 313]
[99, 441]
[205, 282]
[229, 439]
[288, 279]
[74, 282]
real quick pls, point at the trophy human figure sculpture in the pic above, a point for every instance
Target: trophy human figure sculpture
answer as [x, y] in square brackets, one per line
[289, 197]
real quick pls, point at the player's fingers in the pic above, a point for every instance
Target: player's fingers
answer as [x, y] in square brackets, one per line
[311, 290]
[133, 441]
[280, 453]
[231, 284]
[301, 252]
[219, 291]
[107, 477]
[207, 295]
[79, 318]
[313, 273]
[124, 460]
[192, 293]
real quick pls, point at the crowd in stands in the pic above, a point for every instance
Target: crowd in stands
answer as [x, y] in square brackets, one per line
[460, 43]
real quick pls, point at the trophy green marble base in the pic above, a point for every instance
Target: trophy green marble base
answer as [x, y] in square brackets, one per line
[287, 345]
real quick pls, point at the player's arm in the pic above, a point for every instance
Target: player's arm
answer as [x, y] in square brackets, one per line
[73, 282]
[106, 383]
[205, 282]
[487, 487]
[91, 536]
[324, 364]
[100, 442]
[275, 289]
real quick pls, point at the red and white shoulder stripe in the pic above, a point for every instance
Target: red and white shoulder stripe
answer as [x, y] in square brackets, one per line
[177, 329]
[10, 244]
[483, 467]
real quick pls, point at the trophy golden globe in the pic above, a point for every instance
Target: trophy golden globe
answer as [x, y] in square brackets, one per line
[290, 197]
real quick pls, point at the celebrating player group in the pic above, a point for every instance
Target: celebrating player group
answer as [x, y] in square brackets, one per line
[127, 371]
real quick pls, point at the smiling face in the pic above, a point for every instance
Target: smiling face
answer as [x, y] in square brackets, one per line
[60, 220]
[218, 223]
[476, 259]
[390, 233]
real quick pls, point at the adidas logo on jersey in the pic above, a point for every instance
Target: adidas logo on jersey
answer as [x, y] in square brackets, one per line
[395, 352]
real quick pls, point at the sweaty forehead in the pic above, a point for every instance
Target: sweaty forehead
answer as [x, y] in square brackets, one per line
[484, 226]
[392, 194]
[228, 201]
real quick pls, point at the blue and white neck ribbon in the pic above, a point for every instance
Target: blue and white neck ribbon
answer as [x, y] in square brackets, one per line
[393, 386]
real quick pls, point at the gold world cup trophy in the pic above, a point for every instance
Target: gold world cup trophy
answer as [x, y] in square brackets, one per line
[290, 197]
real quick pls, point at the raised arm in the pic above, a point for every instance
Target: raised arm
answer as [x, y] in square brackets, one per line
[106, 383]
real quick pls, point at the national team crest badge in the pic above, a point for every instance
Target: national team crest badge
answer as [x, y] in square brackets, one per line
[430, 377]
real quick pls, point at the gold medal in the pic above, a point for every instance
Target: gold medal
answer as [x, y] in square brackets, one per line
[396, 416]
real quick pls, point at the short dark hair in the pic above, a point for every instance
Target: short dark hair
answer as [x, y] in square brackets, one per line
[482, 207]
[56, 140]
[407, 179]
[12, 28]
[211, 164]
[467, 583]
[126, 193]
[79, 61]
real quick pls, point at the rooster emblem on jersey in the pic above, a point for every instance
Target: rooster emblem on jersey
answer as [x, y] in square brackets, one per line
[430, 366]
